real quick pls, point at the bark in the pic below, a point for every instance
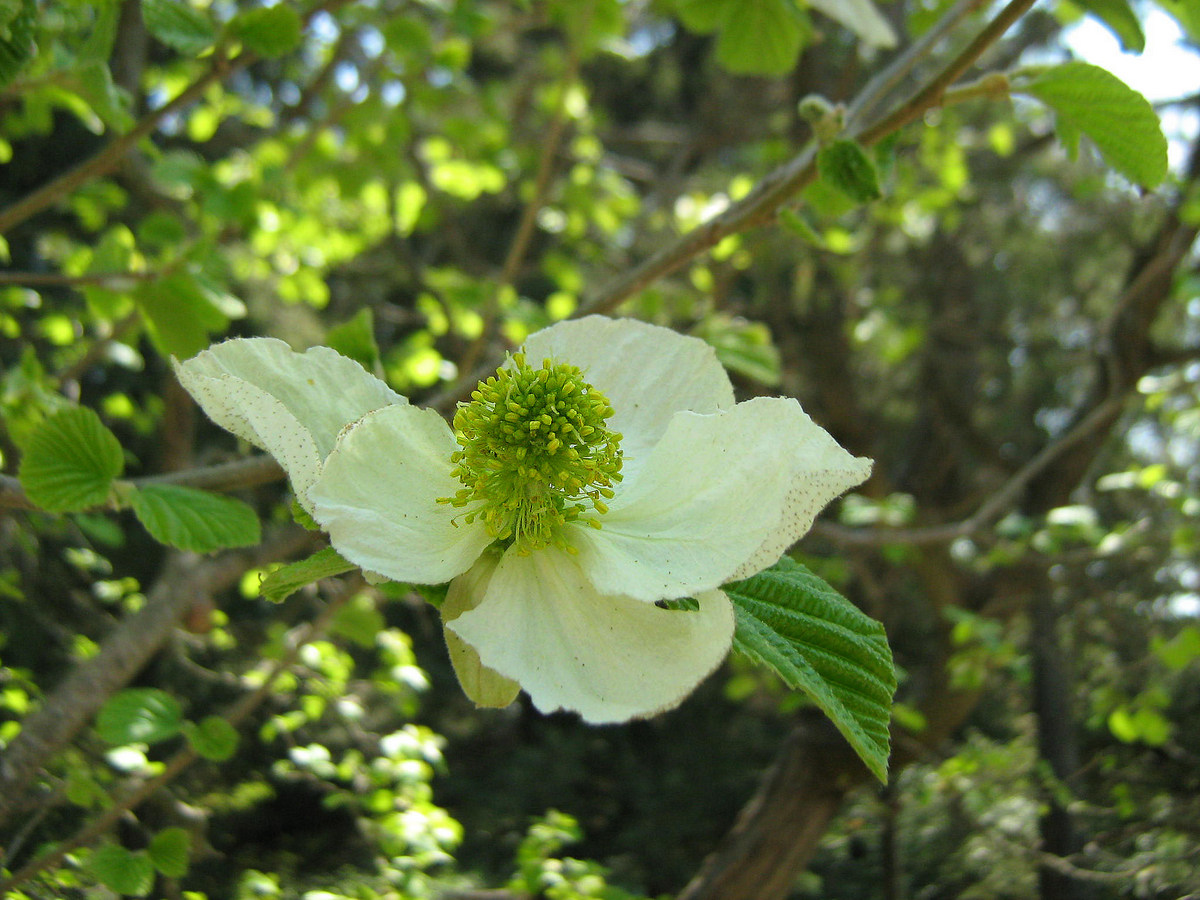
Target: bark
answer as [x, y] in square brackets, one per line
[185, 580]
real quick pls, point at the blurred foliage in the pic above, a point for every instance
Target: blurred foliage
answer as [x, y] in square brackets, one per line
[354, 174]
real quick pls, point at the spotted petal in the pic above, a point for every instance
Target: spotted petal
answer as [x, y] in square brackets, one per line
[258, 388]
[608, 657]
[647, 373]
[377, 497]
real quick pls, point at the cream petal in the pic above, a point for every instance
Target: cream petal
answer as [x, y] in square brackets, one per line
[648, 374]
[822, 471]
[322, 390]
[377, 497]
[265, 422]
[486, 687]
[608, 657]
[717, 497]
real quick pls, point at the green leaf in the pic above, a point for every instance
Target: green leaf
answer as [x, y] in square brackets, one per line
[359, 621]
[195, 520]
[286, 580]
[1119, 120]
[70, 461]
[1119, 17]
[355, 338]
[139, 716]
[761, 37]
[178, 24]
[861, 17]
[847, 167]
[269, 31]
[799, 226]
[169, 850]
[17, 41]
[742, 347]
[818, 642]
[123, 871]
[704, 16]
[180, 315]
[212, 738]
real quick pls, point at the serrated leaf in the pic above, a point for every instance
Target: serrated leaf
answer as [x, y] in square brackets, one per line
[269, 31]
[1118, 16]
[818, 642]
[212, 738]
[355, 338]
[17, 45]
[169, 851]
[1120, 121]
[847, 167]
[180, 315]
[761, 37]
[178, 24]
[286, 580]
[123, 871]
[861, 17]
[70, 461]
[195, 520]
[139, 716]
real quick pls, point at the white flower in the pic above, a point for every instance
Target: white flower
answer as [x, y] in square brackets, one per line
[602, 470]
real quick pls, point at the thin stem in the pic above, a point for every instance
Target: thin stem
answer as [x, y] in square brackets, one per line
[761, 205]
[525, 228]
[183, 758]
[110, 156]
[231, 476]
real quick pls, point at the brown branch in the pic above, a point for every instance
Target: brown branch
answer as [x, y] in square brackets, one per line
[122, 654]
[183, 758]
[110, 156]
[231, 476]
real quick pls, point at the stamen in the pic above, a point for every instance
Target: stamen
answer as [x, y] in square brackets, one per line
[536, 453]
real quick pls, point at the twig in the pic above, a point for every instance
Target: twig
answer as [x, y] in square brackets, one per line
[524, 234]
[993, 508]
[231, 476]
[183, 758]
[110, 156]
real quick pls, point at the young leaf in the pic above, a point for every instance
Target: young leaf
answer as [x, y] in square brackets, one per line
[1119, 17]
[213, 738]
[1119, 120]
[846, 166]
[168, 852]
[178, 24]
[286, 580]
[139, 715]
[70, 461]
[761, 37]
[16, 40]
[195, 520]
[355, 338]
[861, 17]
[818, 642]
[269, 31]
[123, 871]
[180, 315]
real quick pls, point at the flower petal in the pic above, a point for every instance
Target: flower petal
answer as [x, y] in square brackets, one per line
[716, 493]
[647, 373]
[822, 471]
[486, 687]
[608, 657]
[263, 421]
[323, 390]
[377, 498]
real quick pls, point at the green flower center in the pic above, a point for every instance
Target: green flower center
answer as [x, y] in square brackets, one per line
[536, 453]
